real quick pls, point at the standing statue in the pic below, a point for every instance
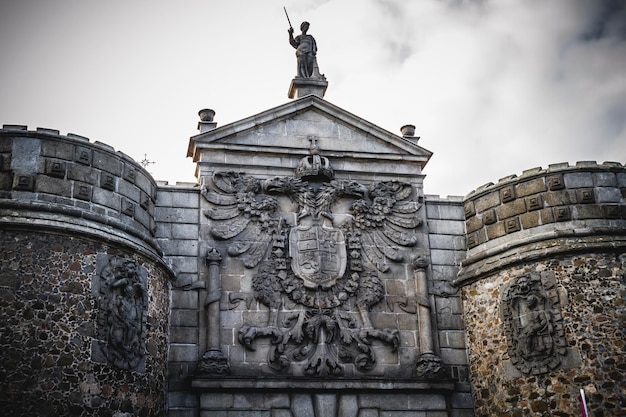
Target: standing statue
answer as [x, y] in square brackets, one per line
[306, 49]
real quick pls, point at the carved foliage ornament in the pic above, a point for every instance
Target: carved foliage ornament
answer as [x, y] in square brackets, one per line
[533, 324]
[121, 291]
[326, 264]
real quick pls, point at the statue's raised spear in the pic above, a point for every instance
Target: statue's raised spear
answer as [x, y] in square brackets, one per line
[290, 27]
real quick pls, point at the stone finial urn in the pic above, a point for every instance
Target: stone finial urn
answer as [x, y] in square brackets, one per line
[206, 115]
[408, 131]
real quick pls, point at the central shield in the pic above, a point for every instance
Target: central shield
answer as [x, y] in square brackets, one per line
[318, 255]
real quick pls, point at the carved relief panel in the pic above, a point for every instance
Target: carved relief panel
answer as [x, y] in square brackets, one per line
[120, 286]
[533, 324]
[318, 267]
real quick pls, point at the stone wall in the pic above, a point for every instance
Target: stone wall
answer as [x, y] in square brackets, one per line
[525, 278]
[178, 216]
[66, 180]
[543, 291]
[50, 332]
[446, 241]
[84, 293]
[591, 290]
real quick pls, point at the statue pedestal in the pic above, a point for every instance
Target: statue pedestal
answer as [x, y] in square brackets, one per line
[301, 87]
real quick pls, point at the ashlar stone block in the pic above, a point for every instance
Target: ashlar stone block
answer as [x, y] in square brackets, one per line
[473, 223]
[578, 179]
[107, 163]
[55, 168]
[608, 195]
[533, 186]
[487, 201]
[529, 220]
[51, 185]
[495, 231]
[511, 209]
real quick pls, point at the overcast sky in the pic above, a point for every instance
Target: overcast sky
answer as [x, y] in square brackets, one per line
[494, 87]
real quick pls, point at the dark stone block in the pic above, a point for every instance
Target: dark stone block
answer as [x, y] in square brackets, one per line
[512, 225]
[51, 185]
[472, 240]
[82, 155]
[487, 201]
[107, 181]
[589, 211]
[129, 191]
[55, 168]
[495, 231]
[82, 191]
[469, 209]
[511, 209]
[530, 220]
[559, 198]
[83, 173]
[611, 211]
[57, 149]
[555, 182]
[106, 198]
[128, 207]
[534, 202]
[531, 187]
[507, 194]
[5, 162]
[547, 216]
[24, 182]
[107, 163]
[562, 214]
[130, 173]
[585, 196]
[472, 224]
[144, 201]
[489, 217]
[6, 181]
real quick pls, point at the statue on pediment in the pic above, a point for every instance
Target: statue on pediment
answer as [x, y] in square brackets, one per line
[306, 52]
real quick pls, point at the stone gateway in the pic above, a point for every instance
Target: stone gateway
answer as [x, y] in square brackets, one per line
[305, 273]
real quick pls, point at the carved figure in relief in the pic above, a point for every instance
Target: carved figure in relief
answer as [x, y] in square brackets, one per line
[535, 328]
[123, 304]
[326, 264]
[533, 324]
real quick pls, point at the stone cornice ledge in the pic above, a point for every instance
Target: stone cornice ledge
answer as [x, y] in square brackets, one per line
[540, 246]
[38, 215]
[382, 384]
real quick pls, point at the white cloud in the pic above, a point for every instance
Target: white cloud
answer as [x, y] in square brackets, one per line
[494, 87]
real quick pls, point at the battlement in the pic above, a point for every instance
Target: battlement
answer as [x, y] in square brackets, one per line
[67, 182]
[544, 212]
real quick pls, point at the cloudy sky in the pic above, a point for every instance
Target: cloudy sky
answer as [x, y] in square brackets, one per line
[494, 87]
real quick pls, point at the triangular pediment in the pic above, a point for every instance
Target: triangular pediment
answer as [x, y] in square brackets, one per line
[291, 130]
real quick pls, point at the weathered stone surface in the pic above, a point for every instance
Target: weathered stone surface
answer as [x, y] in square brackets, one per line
[533, 186]
[511, 209]
[487, 201]
[578, 180]
[593, 296]
[52, 365]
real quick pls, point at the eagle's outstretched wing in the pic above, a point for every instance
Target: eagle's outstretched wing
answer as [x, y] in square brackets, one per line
[240, 209]
[386, 220]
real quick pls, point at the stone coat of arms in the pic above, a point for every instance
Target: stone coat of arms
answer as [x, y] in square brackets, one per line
[317, 268]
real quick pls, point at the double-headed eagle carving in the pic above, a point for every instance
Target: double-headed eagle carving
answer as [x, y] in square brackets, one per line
[318, 247]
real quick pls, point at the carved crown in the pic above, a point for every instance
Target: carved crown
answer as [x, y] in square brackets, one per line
[314, 168]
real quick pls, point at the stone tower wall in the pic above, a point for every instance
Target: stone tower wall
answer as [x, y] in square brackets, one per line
[84, 294]
[543, 291]
[524, 277]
